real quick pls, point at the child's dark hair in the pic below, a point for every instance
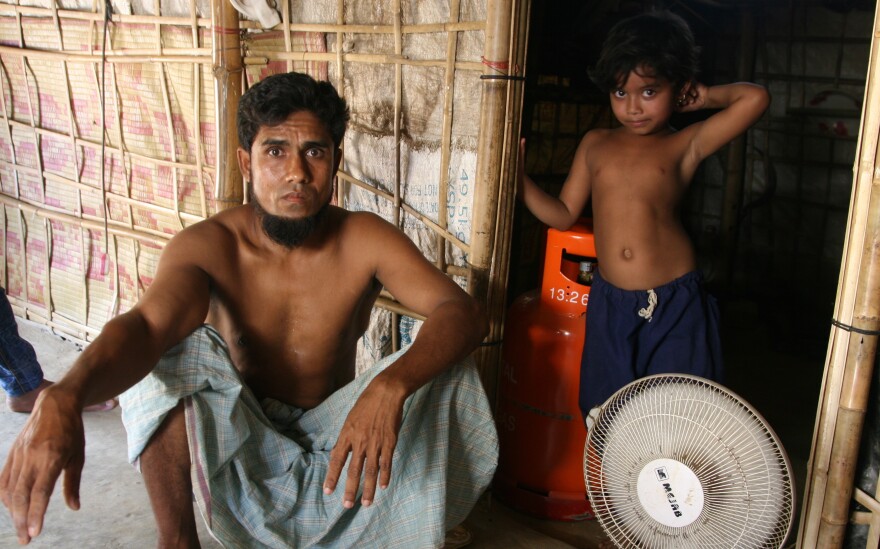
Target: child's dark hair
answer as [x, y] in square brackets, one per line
[658, 41]
[270, 101]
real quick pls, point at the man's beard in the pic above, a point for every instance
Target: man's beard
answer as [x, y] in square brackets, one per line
[290, 233]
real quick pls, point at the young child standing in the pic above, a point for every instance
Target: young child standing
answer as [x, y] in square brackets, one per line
[649, 311]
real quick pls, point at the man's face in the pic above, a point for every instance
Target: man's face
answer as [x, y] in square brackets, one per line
[291, 167]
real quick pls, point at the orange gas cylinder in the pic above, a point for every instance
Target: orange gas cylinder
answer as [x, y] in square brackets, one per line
[540, 469]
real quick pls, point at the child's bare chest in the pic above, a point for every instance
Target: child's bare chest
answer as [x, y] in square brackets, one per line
[632, 170]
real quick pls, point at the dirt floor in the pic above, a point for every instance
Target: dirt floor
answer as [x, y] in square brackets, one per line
[115, 512]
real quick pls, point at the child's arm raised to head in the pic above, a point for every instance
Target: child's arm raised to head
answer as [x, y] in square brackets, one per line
[741, 104]
[562, 212]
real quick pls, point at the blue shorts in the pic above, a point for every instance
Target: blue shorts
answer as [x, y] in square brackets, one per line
[628, 338]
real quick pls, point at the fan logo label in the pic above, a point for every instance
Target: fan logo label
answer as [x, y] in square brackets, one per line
[670, 492]
[670, 497]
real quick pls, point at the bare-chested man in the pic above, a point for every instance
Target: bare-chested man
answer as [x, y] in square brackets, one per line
[649, 311]
[285, 284]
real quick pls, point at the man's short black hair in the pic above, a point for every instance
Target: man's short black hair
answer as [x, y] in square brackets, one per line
[658, 42]
[270, 101]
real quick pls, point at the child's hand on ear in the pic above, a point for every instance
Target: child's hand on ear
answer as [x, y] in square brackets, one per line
[693, 97]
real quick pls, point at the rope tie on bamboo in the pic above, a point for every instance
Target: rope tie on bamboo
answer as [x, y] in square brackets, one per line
[217, 29]
[648, 312]
[501, 67]
[849, 328]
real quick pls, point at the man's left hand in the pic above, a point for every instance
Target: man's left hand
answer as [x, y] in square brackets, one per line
[369, 434]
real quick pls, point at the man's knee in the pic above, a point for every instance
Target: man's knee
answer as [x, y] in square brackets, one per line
[168, 447]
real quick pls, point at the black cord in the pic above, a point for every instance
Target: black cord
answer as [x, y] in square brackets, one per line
[849, 328]
[501, 77]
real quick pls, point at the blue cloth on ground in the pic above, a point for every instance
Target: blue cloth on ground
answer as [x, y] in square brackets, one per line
[20, 372]
[680, 335]
[259, 467]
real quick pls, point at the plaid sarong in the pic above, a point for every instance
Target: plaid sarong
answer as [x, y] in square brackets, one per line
[258, 468]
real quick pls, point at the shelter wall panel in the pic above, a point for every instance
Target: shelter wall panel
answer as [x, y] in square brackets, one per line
[68, 271]
[36, 260]
[48, 82]
[85, 100]
[7, 178]
[13, 246]
[422, 105]
[466, 113]
[58, 157]
[25, 149]
[144, 159]
[100, 282]
[256, 44]
[61, 196]
[18, 101]
[131, 282]
[30, 187]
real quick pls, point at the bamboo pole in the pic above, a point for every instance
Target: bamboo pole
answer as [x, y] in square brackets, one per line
[507, 192]
[227, 92]
[142, 234]
[872, 503]
[354, 28]
[398, 120]
[852, 347]
[446, 133]
[337, 59]
[258, 56]
[118, 56]
[486, 249]
[9, 10]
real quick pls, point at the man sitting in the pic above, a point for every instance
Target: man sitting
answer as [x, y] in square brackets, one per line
[240, 359]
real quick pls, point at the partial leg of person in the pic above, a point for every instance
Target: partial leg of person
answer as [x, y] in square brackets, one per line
[165, 465]
[21, 376]
[20, 373]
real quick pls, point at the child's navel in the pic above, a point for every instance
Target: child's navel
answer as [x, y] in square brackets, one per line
[627, 253]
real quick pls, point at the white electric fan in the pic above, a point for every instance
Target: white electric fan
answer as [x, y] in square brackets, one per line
[678, 461]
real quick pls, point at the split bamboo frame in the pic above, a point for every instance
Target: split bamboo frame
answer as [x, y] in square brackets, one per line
[228, 65]
[852, 346]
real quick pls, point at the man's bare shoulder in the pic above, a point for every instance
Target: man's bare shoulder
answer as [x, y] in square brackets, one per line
[363, 224]
[211, 236]
[369, 235]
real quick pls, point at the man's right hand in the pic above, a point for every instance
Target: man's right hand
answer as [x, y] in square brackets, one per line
[52, 441]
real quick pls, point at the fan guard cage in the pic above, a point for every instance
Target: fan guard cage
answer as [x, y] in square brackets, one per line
[747, 497]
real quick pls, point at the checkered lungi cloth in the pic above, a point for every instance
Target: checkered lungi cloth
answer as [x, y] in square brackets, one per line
[259, 467]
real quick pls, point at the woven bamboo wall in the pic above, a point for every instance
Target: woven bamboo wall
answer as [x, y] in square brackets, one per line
[433, 115]
[101, 163]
